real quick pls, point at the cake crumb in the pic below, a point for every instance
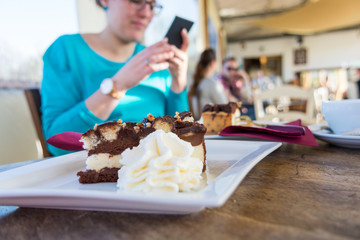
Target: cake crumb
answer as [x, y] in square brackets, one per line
[150, 117]
[137, 129]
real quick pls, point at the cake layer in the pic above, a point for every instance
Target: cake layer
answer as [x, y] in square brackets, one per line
[217, 117]
[200, 152]
[106, 142]
[230, 107]
[102, 160]
[93, 176]
[114, 137]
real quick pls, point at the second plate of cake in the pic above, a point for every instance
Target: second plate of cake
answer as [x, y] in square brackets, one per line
[52, 183]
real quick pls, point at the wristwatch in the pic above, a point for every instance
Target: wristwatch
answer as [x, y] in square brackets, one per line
[107, 87]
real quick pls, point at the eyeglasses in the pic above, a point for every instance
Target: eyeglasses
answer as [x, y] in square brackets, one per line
[231, 69]
[140, 4]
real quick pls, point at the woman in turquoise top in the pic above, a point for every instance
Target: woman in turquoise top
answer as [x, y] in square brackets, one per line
[93, 78]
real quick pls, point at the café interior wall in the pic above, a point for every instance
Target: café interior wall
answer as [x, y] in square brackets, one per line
[91, 18]
[324, 51]
[214, 18]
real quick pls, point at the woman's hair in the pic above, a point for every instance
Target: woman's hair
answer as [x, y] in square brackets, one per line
[99, 3]
[206, 58]
[228, 59]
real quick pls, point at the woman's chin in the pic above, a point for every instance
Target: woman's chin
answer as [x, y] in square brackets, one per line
[137, 37]
[132, 36]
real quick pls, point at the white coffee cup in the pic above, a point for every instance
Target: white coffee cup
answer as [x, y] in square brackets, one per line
[342, 116]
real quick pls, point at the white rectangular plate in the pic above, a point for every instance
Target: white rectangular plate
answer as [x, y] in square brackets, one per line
[233, 137]
[53, 183]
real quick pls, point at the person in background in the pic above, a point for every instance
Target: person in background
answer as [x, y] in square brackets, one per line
[274, 78]
[237, 86]
[206, 87]
[358, 82]
[93, 78]
[262, 82]
[236, 82]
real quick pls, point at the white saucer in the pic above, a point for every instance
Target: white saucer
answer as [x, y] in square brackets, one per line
[335, 139]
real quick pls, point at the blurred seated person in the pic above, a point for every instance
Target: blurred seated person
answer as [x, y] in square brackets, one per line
[206, 87]
[262, 82]
[358, 82]
[93, 78]
[237, 86]
[323, 89]
[236, 82]
[274, 78]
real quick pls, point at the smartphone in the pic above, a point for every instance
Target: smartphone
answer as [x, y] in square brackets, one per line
[174, 32]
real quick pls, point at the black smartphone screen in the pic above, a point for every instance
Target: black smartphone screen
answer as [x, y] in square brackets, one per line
[174, 32]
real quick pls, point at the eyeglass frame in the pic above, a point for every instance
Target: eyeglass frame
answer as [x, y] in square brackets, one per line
[156, 9]
[232, 69]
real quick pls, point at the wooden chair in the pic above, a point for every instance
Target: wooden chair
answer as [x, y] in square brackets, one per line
[33, 99]
[276, 97]
[194, 106]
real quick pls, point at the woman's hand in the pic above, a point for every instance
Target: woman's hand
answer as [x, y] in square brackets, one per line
[151, 59]
[179, 65]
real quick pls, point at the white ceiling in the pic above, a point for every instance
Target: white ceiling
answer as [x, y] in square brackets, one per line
[237, 14]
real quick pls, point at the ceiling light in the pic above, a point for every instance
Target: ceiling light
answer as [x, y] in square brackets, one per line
[225, 12]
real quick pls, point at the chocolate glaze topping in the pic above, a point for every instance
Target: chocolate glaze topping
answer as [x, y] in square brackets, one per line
[185, 114]
[228, 108]
[126, 137]
[129, 134]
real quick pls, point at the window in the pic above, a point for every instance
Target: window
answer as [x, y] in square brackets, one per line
[27, 29]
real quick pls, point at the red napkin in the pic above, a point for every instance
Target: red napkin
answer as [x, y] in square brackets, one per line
[67, 141]
[307, 139]
[70, 140]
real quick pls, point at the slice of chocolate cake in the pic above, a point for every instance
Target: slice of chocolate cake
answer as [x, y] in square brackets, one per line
[107, 141]
[217, 117]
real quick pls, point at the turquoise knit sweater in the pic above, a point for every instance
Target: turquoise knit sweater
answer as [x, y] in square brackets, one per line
[73, 72]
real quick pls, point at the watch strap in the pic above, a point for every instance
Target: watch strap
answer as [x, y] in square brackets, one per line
[114, 93]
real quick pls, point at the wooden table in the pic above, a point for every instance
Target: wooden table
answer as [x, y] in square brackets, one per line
[296, 192]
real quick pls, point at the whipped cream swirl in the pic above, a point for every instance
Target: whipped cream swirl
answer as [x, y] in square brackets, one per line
[162, 162]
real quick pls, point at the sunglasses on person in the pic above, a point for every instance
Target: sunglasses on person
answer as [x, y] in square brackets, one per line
[140, 4]
[231, 69]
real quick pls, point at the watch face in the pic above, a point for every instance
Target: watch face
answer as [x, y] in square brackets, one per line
[106, 86]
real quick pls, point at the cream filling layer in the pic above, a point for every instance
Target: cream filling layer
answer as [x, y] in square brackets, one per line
[102, 160]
